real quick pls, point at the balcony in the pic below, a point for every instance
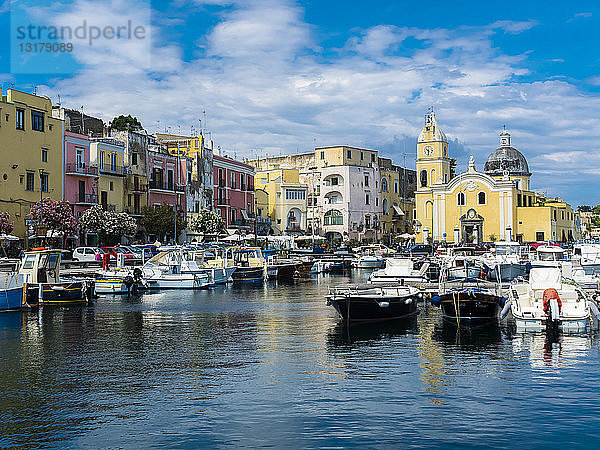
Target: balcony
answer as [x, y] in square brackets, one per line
[134, 212]
[87, 199]
[222, 201]
[240, 223]
[155, 184]
[119, 171]
[294, 227]
[81, 169]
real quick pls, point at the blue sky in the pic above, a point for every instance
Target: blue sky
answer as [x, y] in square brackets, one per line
[278, 76]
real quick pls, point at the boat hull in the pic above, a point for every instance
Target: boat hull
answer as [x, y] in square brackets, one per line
[281, 271]
[247, 274]
[59, 293]
[373, 309]
[509, 271]
[11, 299]
[470, 307]
[369, 263]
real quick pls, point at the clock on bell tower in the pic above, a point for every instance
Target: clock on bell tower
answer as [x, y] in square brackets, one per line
[433, 162]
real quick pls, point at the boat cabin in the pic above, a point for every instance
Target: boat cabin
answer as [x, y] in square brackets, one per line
[507, 248]
[550, 253]
[41, 266]
[246, 257]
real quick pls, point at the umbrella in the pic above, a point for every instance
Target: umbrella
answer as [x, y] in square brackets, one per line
[249, 237]
[8, 237]
[232, 238]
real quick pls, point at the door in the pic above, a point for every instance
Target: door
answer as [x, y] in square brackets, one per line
[104, 200]
[81, 191]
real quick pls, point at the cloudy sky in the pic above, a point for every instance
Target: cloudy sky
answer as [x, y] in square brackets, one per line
[277, 76]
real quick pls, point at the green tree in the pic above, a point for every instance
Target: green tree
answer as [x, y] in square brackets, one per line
[596, 210]
[584, 208]
[124, 123]
[208, 222]
[159, 221]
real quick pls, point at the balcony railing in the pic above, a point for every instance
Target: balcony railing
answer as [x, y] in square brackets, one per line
[293, 227]
[240, 223]
[133, 211]
[81, 169]
[222, 201]
[114, 170]
[154, 184]
[87, 199]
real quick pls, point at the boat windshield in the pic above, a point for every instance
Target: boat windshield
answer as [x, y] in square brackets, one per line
[52, 261]
[29, 262]
[550, 256]
[507, 250]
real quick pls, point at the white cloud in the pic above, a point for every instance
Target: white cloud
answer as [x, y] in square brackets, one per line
[266, 87]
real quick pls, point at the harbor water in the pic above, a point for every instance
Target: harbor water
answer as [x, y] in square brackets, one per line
[271, 365]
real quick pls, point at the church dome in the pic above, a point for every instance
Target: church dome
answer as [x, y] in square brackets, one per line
[506, 158]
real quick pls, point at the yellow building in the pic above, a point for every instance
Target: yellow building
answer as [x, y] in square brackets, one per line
[398, 186]
[286, 199]
[188, 146]
[108, 155]
[32, 157]
[497, 204]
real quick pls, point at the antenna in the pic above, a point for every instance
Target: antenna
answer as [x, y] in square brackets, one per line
[59, 100]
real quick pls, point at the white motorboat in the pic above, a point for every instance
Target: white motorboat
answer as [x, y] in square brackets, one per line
[399, 271]
[119, 281]
[212, 262]
[588, 256]
[547, 300]
[548, 256]
[370, 257]
[505, 260]
[164, 271]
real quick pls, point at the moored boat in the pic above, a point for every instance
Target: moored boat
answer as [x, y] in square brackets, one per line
[374, 303]
[11, 291]
[43, 285]
[164, 271]
[250, 264]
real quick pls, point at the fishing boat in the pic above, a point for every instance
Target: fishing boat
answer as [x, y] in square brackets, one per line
[164, 271]
[400, 271]
[11, 291]
[250, 264]
[549, 302]
[506, 261]
[209, 261]
[377, 303]
[282, 269]
[471, 300]
[119, 281]
[43, 285]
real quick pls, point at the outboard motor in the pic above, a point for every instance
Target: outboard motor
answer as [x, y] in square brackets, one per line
[552, 306]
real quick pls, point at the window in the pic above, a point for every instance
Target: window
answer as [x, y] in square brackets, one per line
[129, 200]
[197, 205]
[334, 181]
[134, 159]
[322, 155]
[518, 199]
[386, 208]
[367, 222]
[112, 186]
[563, 215]
[384, 184]
[113, 162]
[295, 194]
[376, 201]
[30, 182]
[101, 160]
[372, 157]
[37, 121]
[433, 180]
[539, 236]
[44, 155]
[79, 158]
[395, 187]
[349, 153]
[20, 119]
[481, 198]
[428, 210]
[554, 214]
[367, 199]
[366, 180]
[44, 181]
[423, 178]
[333, 217]
[197, 143]
[361, 156]
[460, 199]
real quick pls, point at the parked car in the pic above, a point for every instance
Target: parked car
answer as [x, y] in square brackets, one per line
[418, 250]
[113, 251]
[87, 254]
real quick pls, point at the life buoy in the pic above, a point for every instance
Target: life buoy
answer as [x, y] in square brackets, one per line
[551, 294]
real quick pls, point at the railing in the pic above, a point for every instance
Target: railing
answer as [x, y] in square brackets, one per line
[87, 198]
[240, 223]
[293, 227]
[133, 211]
[166, 186]
[222, 201]
[114, 170]
[81, 169]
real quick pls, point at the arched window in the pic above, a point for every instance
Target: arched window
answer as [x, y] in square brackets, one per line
[428, 210]
[333, 217]
[423, 178]
[481, 198]
[433, 180]
[460, 199]
[385, 205]
[384, 184]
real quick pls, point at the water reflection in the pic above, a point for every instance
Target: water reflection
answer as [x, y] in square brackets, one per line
[357, 335]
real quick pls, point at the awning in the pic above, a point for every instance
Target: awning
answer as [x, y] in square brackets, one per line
[244, 214]
[398, 211]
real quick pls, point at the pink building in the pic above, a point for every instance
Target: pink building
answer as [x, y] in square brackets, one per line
[234, 192]
[80, 177]
[166, 179]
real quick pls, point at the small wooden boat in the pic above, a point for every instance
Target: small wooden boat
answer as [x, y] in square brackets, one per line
[374, 303]
[43, 285]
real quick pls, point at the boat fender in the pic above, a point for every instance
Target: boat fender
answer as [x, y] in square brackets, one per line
[408, 301]
[594, 310]
[436, 300]
[506, 309]
[383, 304]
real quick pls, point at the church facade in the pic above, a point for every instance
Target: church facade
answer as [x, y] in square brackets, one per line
[496, 204]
